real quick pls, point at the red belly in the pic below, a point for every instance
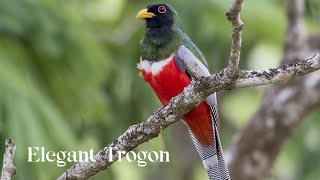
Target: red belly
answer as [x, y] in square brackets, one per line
[169, 83]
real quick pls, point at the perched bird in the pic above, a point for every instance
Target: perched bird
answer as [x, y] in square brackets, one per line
[167, 58]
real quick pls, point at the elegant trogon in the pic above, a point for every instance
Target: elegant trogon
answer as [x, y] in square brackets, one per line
[167, 56]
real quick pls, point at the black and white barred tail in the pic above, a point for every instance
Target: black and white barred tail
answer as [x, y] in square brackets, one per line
[212, 156]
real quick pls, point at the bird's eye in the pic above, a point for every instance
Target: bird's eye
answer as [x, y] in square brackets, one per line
[162, 9]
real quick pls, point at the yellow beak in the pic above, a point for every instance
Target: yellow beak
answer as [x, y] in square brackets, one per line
[143, 14]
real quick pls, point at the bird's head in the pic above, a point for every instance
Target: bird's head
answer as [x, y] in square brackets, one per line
[159, 16]
[163, 33]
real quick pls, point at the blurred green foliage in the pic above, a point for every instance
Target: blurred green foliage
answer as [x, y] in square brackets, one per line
[68, 78]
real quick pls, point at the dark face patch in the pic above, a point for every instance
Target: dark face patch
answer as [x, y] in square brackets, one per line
[163, 18]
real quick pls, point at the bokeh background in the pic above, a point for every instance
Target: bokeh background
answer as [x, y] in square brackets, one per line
[68, 81]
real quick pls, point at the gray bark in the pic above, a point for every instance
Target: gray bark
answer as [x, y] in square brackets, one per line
[8, 169]
[256, 146]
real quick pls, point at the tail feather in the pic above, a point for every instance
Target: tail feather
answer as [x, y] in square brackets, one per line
[212, 156]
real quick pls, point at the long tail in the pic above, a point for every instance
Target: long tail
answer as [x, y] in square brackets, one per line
[212, 155]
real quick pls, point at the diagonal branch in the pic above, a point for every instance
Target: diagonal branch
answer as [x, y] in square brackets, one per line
[8, 169]
[191, 96]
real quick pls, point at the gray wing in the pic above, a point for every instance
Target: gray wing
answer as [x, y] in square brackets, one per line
[187, 42]
[186, 58]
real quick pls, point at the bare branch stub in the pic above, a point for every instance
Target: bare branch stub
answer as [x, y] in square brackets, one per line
[233, 15]
[8, 169]
[283, 73]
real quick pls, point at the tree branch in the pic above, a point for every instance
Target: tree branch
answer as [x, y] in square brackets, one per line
[282, 73]
[191, 96]
[256, 146]
[8, 169]
[229, 78]
[233, 15]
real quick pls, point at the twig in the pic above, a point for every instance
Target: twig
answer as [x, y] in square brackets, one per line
[233, 15]
[8, 169]
[282, 73]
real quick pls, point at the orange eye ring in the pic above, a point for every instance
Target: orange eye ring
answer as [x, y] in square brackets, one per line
[162, 9]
